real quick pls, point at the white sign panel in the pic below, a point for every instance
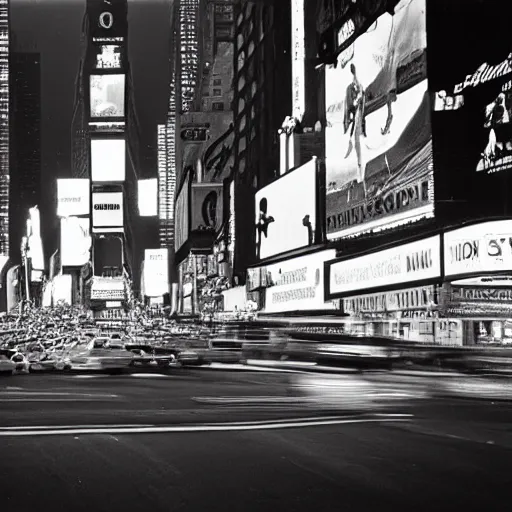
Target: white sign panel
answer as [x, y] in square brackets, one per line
[72, 197]
[181, 222]
[298, 284]
[298, 59]
[156, 272]
[406, 263]
[75, 241]
[107, 209]
[108, 160]
[286, 212]
[485, 247]
[62, 289]
[148, 197]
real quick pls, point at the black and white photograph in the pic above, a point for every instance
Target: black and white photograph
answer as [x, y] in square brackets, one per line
[255, 255]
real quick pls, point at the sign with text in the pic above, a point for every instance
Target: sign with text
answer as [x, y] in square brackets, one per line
[298, 59]
[107, 209]
[485, 247]
[415, 261]
[156, 272]
[207, 206]
[72, 197]
[107, 18]
[379, 168]
[297, 284]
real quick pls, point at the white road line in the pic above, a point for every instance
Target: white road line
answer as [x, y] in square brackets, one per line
[149, 375]
[55, 399]
[55, 393]
[271, 425]
[53, 427]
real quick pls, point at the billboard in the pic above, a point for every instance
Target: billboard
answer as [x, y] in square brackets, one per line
[108, 56]
[297, 284]
[480, 248]
[286, 212]
[107, 95]
[181, 216]
[35, 242]
[107, 209]
[75, 241]
[62, 289]
[108, 159]
[207, 206]
[107, 18]
[407, 263]
[108, 256]
[298, 59]
[156, 272]
[73, 197]
[148, 197]
[378, 134]
[473, 92]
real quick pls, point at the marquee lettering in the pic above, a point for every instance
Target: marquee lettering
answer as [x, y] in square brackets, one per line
[464, 251]
[106, 20]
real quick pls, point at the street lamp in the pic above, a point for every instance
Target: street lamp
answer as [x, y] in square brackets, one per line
[24, 255]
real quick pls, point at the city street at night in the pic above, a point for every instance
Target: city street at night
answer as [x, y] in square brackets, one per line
[217, 440]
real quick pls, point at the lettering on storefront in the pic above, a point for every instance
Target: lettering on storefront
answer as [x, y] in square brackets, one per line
[482, 294]
[105, 206]
[295, 276]
[419, 260]
[464, 251]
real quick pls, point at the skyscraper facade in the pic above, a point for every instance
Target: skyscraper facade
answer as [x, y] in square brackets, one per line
[4, 132]
[25, 143]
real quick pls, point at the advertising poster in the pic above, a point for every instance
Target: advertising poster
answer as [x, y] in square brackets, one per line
[286, 212]
[107, 18]
[72, 197]
[148, 197]
[108, 159]
[297, 284]
[108, 256]
[62, 289]
[107, 209]
[473, 91]
[107, 95]
[75, 241]
[156, 272]
[378, 133]
[181, 216]
[108, 56]
[207, 206]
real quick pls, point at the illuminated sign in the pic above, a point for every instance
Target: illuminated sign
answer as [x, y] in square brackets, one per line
[410, 298]
[379, 164]
[297, 284]
[108, 160]
[194, 134]
[231, 230]
[73, 197]
[108, 57]
[484, 247]
[415, 261]
[75, 241]
[298, 59]
[156, 272]
[107, 95]
[473, 115]
[107, 209]
[286, 212]
[148, 197]
[107, 18]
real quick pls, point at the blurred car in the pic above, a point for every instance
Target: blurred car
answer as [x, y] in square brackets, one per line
[148, 357]
[47, 361]
[100, 354]
[21, 362]
[7, 366]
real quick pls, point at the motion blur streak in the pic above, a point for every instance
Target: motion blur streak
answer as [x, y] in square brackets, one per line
[195, 428]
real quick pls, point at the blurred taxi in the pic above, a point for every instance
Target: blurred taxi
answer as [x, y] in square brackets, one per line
[100, 354]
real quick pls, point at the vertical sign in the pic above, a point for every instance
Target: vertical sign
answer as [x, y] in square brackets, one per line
[298, 59]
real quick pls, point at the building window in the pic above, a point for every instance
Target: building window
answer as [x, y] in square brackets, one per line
[217, 92]
[218, 105]
[217, 81]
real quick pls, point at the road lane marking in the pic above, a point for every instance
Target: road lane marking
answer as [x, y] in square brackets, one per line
[55, 393]
[53, 427]
[271, 425]
[56, 399]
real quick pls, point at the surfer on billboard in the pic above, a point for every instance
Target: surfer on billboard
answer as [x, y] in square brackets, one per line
[262, 225]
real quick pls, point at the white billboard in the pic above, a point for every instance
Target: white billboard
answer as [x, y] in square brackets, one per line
[286, 212]
[73, 197]
[62, 289]
[107, 95]
[35, 242]
[148, 197]
[156, 272]
[298, 284]
[485, 247]
[107, 209]
[75, 241]
[108, 159]
[415, 261]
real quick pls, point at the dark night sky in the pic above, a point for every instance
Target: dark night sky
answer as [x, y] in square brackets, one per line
[53, 28]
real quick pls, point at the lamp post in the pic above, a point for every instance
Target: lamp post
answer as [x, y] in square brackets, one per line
[24, 254]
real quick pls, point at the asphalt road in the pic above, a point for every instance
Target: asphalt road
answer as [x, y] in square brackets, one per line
[204, 441]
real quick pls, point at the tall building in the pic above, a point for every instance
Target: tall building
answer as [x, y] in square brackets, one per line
[25, 142]
[106, 152]
[4, 132]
